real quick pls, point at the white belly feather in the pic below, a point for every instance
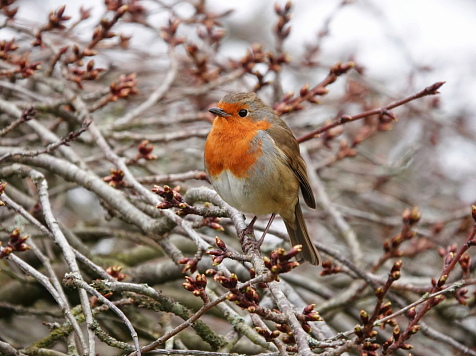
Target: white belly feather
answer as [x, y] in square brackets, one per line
[230, 188]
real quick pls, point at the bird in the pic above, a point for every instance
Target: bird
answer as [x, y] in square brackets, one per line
[253, 161]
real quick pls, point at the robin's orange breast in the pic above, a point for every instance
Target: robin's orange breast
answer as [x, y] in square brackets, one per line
[230, 146]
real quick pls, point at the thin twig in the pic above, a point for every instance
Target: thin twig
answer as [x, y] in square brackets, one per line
[29, 270]
[43, 132]
[9, 350]
[181, 177]
[431, 90]
[60, 239]
[21, 89]
[167, 137]
[345, 229]
[44, 260]
[197, 315]
[78, 282]
[156, 95]
[429, 302]
[51, 147]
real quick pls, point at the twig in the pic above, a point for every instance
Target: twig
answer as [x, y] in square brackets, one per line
[165, 321]
[205, 88]
[93, 266]
[165, 304]
[8, 350]
[283, 303]
[21, 89]
[51, 147]
[438, 336]
[90, 181]
[26, 115]
[167, 137]
[44, 260]
[279, 344]
[157, 95]
[429, 302]
[29, 270]
[423, 299]
[232, 317]
[100, 103]
[196, 316]
[345, 229]
[431, 90]
[120, 164]
[427, 296]
[78, 282]
[30, 311]
[181, 177]
[43, 132]
[68, 253]
[397, 220]
[287, 105]
[160, 121]
[109, 340]
[55, 60]
[66, 329]
[281, 33]
[204, 353]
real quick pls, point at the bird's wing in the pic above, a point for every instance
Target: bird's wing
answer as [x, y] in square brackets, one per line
[287, 143]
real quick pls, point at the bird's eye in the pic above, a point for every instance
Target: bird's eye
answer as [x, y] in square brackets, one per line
[243, 112]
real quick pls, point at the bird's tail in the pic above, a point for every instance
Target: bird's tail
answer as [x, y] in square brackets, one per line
[300, 236]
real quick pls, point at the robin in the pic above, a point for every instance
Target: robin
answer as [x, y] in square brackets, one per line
[253, 161]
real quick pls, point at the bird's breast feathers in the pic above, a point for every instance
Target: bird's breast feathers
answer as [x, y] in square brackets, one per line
[233, 146]
[253, 176]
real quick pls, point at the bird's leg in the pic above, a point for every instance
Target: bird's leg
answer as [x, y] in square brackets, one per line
[248, 230]
[260, 242]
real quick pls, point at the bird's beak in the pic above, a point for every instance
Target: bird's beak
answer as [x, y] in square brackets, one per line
[219, 112]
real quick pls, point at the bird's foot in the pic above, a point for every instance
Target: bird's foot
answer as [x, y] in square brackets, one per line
[260, 241]
[249, 230]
